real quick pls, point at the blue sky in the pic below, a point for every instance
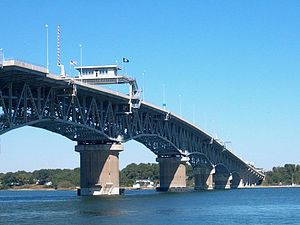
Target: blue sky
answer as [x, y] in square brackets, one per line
[235, 65]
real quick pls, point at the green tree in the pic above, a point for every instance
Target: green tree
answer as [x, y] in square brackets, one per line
[42, 176]
[283, 175]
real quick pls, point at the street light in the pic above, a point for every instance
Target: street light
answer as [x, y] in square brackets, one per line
[144, 85]
[164, 96]
[180, 111]
[1, 58]
[80, 46]
[224, 144]
[47, 47]
[194, 114]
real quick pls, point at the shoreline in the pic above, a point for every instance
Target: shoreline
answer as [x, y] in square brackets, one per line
[130, 188]
[37, 188]
[274, 186]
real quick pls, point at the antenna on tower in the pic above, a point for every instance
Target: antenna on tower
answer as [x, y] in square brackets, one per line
[62, 67]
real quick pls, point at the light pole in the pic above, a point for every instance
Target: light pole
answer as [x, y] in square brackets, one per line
[164, 96]
[180, 112]
[1, 58]
[80, 46]
[194, 114]
[47, 47]
[224, 145]
[144, 85]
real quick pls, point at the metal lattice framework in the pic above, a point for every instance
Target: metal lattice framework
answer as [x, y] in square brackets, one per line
[89, 114]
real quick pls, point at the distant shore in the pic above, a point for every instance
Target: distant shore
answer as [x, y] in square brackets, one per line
[274, 186]
[36, 188]
[44, 188]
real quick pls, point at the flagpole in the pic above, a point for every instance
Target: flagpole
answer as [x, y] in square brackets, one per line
[124, 68]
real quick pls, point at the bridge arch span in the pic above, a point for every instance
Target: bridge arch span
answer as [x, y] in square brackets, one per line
[42, 148]
[236, 179]
[198, 159]
[222, 168]
[94, 115]
[222, 177]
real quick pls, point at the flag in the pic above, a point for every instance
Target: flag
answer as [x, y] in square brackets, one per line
[73, 63]
[125, 60]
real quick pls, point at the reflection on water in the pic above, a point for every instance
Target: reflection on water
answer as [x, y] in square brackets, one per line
[106, 212]
[247, 206]
[104, 206]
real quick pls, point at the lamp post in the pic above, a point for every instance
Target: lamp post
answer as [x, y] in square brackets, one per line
[144, 85]
[224, 145]
[164, 96]
[47, 47]
[194, 114]
[180, 111]
[1, 58]
[80, 46]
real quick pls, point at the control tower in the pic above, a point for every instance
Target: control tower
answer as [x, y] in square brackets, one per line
[100, 74]
[108, 74]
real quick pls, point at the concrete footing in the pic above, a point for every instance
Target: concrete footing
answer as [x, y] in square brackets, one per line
[172, 173]
[99, 169]
[203, 178]
[237, 184]
[222, 181]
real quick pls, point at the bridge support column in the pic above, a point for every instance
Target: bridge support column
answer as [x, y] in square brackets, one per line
[253, 180]
[222, 180]
[246, 180]
[237, 181]
[99, 169]
[172, 173]
[203, 178]
[237, 184]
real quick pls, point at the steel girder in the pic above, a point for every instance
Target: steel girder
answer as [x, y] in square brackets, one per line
[88, 116]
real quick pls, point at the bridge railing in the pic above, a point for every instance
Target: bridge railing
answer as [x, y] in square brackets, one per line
[26, 65]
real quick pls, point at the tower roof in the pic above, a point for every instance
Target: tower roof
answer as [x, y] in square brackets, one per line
[113, 67]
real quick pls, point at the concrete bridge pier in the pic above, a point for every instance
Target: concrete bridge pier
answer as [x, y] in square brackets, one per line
[203, 178]
[247, 180]
[252, 180]
[237, 184]
[99, 169]
[172, 173]
[222, 177]
[222, 181]
[237, 181]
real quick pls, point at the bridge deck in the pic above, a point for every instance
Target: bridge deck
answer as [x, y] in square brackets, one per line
[18, 72]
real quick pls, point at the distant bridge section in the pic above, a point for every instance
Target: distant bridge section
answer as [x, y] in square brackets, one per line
[100, 120]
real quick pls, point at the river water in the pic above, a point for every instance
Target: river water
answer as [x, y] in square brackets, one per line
[244, 206]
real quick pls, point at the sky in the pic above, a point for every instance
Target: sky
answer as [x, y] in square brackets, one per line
[231, 66]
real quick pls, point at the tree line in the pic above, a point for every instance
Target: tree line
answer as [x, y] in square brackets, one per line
[55, 178]
[70, 178]
[283, 175]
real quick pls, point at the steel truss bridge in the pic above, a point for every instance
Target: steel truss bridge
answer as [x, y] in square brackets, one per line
[92, 115]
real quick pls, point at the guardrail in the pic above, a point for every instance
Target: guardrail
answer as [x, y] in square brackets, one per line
[13, 62]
